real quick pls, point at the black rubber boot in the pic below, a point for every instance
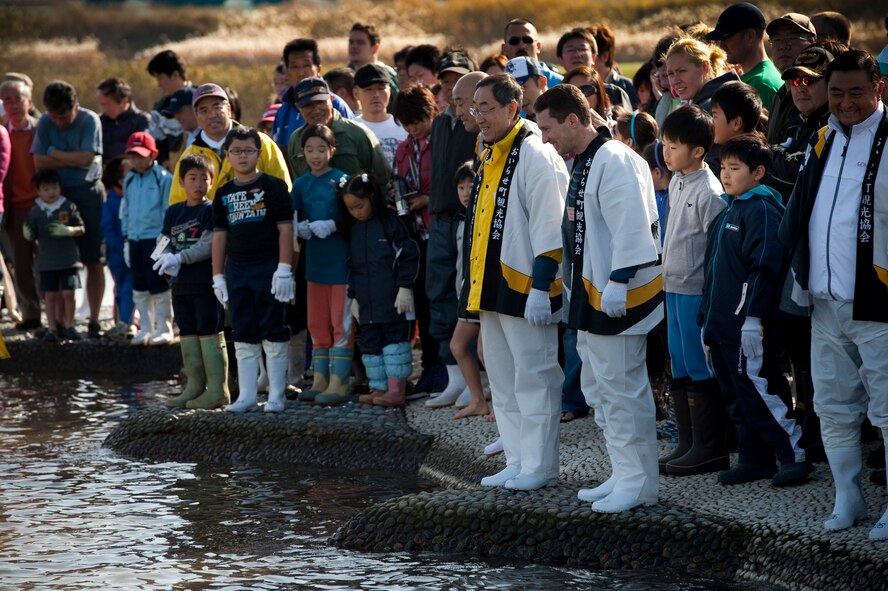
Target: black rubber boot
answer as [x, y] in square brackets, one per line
[791, 473]
[679, 396]
[707, 453]
[743, 473]
[810, 441]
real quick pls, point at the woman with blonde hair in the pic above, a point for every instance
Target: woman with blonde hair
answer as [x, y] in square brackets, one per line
[696, 70]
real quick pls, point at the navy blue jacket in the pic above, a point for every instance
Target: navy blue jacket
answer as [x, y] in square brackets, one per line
[742, 269]
[382, 258]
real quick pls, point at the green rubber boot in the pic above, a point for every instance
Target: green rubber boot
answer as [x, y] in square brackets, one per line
[320, 363]
[340, 370]
[215, 359]
[194, 371]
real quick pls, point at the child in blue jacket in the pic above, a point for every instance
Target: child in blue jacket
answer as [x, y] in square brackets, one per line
[742, 284]
[146, 194]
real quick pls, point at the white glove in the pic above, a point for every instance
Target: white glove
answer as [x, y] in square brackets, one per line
[220, 288]
[538, 310]
[404, 300]
[282, 285]
[751, 337]
[126, 258]
[168, 263]
[613, 299]
[322, 228]
[303, 229]
[356, 310]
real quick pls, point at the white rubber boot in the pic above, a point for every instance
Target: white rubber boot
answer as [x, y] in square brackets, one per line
[248, 355]
[262, 384]
[637, 481]
[456, 383]
[277, 360]
[846, 463]
[163, 319]
[880, 530]
[501, 477]
[145, 305]
[296, 361]
[590, 495]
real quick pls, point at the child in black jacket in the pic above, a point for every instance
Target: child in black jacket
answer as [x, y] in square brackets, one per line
[382, 266]
[740, 296]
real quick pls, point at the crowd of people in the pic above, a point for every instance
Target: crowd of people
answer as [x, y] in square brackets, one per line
[718, 224]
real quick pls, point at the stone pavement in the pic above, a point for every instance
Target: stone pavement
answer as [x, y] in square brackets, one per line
[773, 535]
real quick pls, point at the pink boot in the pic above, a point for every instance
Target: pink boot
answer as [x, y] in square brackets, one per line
[395, 397]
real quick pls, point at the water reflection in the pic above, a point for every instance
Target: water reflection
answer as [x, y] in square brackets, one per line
[75, 516]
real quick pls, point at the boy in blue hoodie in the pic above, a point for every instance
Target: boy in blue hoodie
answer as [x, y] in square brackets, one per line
[742, 283]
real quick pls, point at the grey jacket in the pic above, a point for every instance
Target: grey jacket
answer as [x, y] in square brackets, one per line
[694, 201]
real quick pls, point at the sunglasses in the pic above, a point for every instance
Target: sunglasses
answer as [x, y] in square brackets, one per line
[804, 81]
[588, 89]
[516, 40]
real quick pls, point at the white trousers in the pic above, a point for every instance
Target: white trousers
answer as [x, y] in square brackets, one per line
[615, 383]
[849, 367]
[525, 384]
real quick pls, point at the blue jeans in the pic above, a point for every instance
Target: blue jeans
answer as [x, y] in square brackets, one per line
[123, 292]
[572, 399]
[441, 260]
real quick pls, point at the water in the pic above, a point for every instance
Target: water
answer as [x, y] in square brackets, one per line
[76, 516]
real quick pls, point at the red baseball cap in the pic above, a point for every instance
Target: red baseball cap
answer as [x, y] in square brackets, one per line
[142, 143]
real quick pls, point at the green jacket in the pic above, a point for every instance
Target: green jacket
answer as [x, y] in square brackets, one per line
[357, 151]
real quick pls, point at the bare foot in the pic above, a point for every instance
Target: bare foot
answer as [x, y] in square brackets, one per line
[472, 410]
[491, 418]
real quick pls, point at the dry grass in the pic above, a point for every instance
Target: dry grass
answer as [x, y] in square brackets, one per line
[241, 49]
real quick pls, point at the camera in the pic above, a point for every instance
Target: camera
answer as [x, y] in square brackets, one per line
[402, 194]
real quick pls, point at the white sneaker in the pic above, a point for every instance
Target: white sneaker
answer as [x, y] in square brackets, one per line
[465, 398]
[494, 448]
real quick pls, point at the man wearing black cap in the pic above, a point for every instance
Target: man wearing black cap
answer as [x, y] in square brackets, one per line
[789, 35]
[373, 91]
[740, 31]
[809, 95]
[179, 108]
[357, 149]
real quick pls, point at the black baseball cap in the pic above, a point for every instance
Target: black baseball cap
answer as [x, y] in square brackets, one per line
[810, 62]
[178, 99]
[371, 74]
[736, 18]
[455, 61]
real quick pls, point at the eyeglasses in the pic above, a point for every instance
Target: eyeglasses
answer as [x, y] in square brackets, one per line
[588, 90]
[478, 112]
[784, 41]
[804, 81]
[215, 108]
[527, 40]
[584, 48]
[243, 151]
